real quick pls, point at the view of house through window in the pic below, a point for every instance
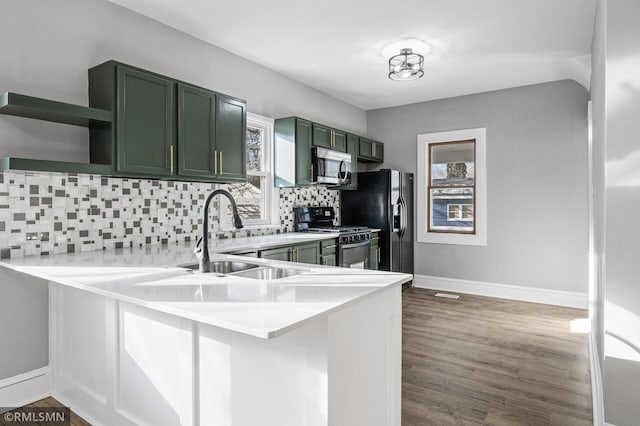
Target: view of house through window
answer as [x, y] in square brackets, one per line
[254, 196]
[451, 187]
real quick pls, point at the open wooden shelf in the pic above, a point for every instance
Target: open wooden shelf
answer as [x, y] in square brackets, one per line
[59, 112]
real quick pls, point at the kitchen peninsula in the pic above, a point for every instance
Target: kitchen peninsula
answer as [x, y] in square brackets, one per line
[135, 342]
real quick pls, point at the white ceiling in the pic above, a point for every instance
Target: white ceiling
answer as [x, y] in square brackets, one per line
[334, 45]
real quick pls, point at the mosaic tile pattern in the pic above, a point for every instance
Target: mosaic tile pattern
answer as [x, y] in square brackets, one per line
[47, 213]
[312, 196]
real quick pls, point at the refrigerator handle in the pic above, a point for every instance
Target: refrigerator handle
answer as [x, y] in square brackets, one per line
[403, 216]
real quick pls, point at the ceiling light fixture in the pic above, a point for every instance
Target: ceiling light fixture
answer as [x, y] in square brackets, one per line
[406, 66]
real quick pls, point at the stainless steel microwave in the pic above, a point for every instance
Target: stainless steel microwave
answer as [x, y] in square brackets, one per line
[330, 167]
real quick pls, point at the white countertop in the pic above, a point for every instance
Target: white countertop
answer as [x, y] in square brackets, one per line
[149, 276]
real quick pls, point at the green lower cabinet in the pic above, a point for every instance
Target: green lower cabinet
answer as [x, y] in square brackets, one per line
[145, 141]
[329, 260]
[328, 256]
[307, 253]
[281, 253]
[302, 253]
[374, 257]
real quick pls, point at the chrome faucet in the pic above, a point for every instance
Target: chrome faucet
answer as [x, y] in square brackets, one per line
[202, 252]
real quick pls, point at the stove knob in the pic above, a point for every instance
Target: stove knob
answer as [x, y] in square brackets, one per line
[350, 238]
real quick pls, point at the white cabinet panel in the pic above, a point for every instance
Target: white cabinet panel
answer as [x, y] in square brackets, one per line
[246, 381]
[80, 331]
[156, 367]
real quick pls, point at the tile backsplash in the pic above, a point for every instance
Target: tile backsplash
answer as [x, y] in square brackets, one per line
[47, 213]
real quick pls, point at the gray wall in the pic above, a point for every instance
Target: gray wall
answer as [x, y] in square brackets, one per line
[536, 182]
[23, 323]
[47, 47]
[622, 306]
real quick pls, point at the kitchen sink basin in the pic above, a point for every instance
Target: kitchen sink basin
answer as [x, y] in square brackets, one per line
[268, 273]
[224, 266]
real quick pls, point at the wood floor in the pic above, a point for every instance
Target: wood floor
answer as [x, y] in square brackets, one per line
[51, 403]
[485, 361]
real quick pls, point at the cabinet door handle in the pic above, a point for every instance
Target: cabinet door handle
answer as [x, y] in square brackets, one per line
[171, 159]
[311, 173]
[220, 162]
[215, 162]
[378, 250]
[331, 247]
[373, 149]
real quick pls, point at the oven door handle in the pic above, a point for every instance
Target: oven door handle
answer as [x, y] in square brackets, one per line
[354, 245]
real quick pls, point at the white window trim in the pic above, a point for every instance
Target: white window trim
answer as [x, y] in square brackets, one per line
[424, 143]
[272, 218]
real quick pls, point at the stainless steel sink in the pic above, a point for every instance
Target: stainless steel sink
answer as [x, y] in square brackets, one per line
[224, 266]
[268, 273]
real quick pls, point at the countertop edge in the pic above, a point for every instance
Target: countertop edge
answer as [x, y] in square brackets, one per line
[263, 334]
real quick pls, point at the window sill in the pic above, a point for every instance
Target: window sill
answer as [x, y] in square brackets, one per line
[479, 239]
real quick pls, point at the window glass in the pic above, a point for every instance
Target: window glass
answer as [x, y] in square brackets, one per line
[451, 187]
[254, 197]
[254, 149]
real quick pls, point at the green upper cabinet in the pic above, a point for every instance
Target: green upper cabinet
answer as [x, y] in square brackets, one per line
[292, 162]
[339, 140]
[209, 128]
[196, 131]
[165, 128]
[145, 123]
[329, 138]
[294, 138]
[370, 151]
[352, 148]
[321, 136]
[231, 127]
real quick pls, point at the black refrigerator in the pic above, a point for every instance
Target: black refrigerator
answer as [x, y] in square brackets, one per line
[384, 200]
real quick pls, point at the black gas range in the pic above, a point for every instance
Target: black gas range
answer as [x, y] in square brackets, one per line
[354, 242]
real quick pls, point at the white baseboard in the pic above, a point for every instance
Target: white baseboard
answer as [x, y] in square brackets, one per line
[504, 291]
[25, 388]
[596, 382]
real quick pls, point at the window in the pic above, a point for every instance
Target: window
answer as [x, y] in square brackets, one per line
[255, 198]
[451, 184]
[452, 187]
[460, 212]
